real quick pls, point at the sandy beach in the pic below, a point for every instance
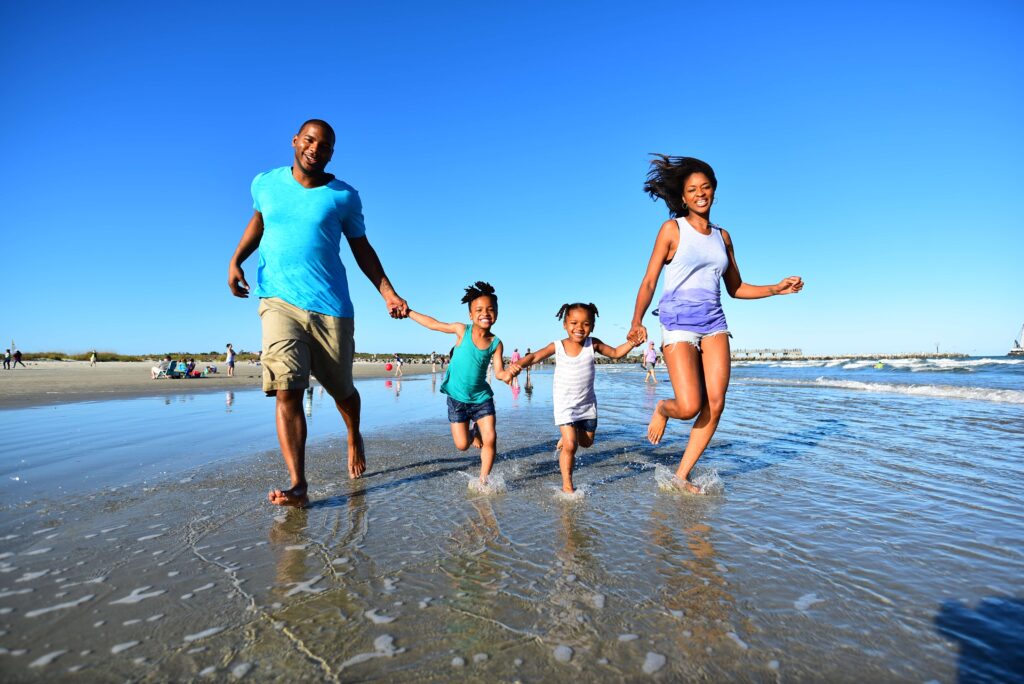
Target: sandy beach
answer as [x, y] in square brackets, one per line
[56, 382]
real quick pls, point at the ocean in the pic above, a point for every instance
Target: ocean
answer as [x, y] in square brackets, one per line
[863, 524]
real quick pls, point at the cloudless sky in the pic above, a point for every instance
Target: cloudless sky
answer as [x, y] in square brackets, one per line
[873, 148]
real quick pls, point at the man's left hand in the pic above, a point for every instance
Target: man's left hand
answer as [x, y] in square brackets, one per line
[397, 307]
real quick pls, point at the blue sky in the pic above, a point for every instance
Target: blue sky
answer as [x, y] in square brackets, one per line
[873, 149]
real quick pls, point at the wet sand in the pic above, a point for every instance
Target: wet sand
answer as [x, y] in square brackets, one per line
[848, 537]
[57, 382]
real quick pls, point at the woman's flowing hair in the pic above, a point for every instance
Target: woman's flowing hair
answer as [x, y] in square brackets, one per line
[667, 177]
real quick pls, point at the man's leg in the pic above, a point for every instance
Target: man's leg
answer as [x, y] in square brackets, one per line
[291, 434]
[286, 355]
[350, 409]
[331, 357]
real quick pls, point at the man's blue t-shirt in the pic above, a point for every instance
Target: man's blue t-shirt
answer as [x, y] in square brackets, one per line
[300, 252]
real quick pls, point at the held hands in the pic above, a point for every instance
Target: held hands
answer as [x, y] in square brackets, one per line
[397, 307]
[790, 285]
[637, 335]
[236, 281]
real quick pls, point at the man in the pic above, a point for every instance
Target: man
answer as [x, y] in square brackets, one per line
[300, 215]
[7, 360]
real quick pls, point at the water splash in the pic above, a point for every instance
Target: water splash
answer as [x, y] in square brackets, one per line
[708, 481]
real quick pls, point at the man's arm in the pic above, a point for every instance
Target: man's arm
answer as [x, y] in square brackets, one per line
[246, 246]
[369, 264]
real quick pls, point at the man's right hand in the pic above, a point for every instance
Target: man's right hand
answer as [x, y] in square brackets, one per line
[236, 281]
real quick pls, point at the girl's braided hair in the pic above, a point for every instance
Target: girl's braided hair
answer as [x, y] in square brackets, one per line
[566, 308]
[667, 177]
[479, 289]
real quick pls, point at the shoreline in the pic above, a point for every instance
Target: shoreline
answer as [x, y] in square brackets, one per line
[45, 383]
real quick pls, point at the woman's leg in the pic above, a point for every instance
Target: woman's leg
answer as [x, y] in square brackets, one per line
[684, 370]
[716, 367]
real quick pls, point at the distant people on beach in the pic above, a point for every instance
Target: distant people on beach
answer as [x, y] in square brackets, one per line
[650, 361]
[397, 362]
[160, 368]
[470, 399]
[433, 362]
[514, 359]
[7, 359]
[92, 358]
[229, 360]
[573, 385]
[301, 213]
[17, 360]
[696, 255]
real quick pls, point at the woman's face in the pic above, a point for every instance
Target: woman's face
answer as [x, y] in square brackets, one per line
[698, 194]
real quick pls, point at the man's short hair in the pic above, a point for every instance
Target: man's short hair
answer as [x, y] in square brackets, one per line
[322, 124]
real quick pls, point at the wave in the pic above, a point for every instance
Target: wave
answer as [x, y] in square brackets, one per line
[1002, 396]
[916, 364]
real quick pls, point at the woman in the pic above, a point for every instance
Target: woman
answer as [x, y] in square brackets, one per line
[696, 256]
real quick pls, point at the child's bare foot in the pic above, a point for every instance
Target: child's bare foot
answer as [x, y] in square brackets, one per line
[295, 497]
[656, 428]
[558, 447]
[567, 487]
[474, 437]
[356, 457]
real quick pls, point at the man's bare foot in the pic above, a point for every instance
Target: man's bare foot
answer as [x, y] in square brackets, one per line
[356, 457]
[296, 497]
[656, 428]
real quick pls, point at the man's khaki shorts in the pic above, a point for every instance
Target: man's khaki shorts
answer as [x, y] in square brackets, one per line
[297, 342]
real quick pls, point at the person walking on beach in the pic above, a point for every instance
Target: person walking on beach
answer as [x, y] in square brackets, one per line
[514, 359]
[229, 360]
[17, 359]
[650, 360]
[696, 256]
[301, 213]
[7, 359]
[92, 358]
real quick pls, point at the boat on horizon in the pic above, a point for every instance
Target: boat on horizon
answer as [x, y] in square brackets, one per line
[1017, 350]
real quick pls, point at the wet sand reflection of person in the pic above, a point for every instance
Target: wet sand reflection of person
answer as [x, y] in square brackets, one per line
[475, 572]
[575, 595]
[695, 591]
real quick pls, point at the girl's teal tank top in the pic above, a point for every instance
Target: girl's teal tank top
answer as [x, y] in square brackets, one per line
[466, 379]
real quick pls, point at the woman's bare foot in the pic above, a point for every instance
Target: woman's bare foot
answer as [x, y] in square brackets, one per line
[685, 485]
[296, 496]
[356, 457]
[656, 428]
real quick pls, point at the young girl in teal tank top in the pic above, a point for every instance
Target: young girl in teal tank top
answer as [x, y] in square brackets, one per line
[465, 383]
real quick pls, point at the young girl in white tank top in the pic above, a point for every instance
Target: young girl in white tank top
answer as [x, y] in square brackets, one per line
[573, 389]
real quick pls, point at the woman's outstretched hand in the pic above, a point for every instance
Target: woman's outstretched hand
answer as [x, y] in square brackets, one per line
[790, 285]
[637, 334]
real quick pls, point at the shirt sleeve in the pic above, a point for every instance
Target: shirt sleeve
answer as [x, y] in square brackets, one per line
[254, 189]
[352, 222]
